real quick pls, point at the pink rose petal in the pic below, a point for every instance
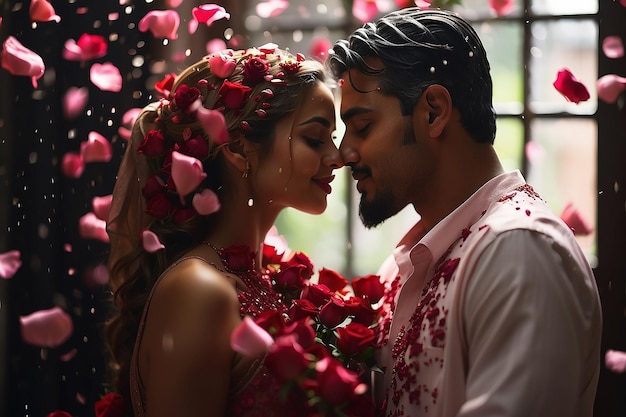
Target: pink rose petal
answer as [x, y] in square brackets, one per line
[271, 8]
[102, 206]
[19, 60]
[572, 89]
[96, 148]
[534, 152]
[278, 242]
[615, 361]
[172, 4]
[96, 276]
[87, 47]
[215, 45]
[575, 221]
[42, 11]
[187, 173]
[319, 48]
[613, 47]
[106, 77]
[206, 202]
[72, 165]
[364, 10]
[74, 101]
[222, 65]
[502, 7]
[66, 357]
[46, 328]
[209, 13]
[161, 23]
[10, 262]
[128, 120]
[151, 242]
[91, 227]
[214, 124]
[250, 339]
[610, 87]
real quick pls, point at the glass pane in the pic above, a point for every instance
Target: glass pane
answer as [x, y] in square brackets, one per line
[555, 7]
[555, 45]
[562, 168]
[479, 9]
[509, 143]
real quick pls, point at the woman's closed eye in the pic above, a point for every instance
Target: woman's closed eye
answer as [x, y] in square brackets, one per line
[313, 142]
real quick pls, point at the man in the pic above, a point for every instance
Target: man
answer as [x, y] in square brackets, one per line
[495, 310]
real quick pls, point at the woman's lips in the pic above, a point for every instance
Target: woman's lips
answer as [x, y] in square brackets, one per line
[324, 183]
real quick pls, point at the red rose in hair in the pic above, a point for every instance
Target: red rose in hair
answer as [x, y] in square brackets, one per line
[111, 405]
[233, 95]
[254, 70]
[164, 86]
[290, 67]
[153, 143]
[238, 258]
[159, 206]
[185, 96]
[354, 339]
[197, 147]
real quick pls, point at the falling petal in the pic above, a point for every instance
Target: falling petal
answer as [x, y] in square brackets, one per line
[87, 47]
[74, 101]
[72, 165]
[422, 4]
[206, 202]
[572, 89]
[128, 120]
[19, 60]
[66, 357]
[102, 206]
[209, 13]
[535, 152]
[215, 45]
[613, 47]
[96, 276]
[46, 328]
[42, 11]
[271, 8]
[610, 87]
[172, 4]
[151, 242]
[214, 125]
[222, 65]
[161, 23]
[9, 263]
[106, 77]
[364, 10]
[91, 227]
[250, 339]
[319, 48]
[187, 173]
[96, 148]
[575, 221]
[615, 360]
[502, 7]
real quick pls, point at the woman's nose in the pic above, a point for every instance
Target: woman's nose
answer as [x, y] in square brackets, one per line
[333, 159]
[349, 155]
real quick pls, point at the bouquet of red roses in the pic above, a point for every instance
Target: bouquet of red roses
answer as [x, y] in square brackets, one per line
[323, 347]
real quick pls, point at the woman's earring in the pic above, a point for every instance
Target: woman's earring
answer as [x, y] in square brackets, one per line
[246, 170]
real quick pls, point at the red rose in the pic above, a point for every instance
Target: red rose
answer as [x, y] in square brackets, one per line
[111, 405]
[185, 96]
[272, 322]
[336, 384]
[286, 359]
[361, 311]
[233, 95]
[333, 313]
[165, 85]
[300, 258]
[354, 339]
[197, 147]
[59, 413]
[360, 406]
[318, 294]
[238, 258]
[153, 143]
[369, 287]
[290, 278]
[159, 206]
[302, 331]
[270, 255]
[333, 280]
[181, 215]
[290, 67]
[302, 308]
[153, 186]
[254, 70]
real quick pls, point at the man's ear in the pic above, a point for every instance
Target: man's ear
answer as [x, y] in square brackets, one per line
[437, 108]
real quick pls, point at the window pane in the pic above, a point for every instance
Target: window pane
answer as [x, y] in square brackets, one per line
[553, 7]
[562, 168]
[570, 44]
[509, 143]
[479, 9]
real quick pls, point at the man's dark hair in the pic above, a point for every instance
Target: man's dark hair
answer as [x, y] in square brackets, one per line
[419, 48]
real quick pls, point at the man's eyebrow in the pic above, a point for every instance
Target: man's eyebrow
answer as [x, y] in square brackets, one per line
[354, 111]
[317, 119]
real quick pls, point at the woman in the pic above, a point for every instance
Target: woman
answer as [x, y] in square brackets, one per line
[177, 306]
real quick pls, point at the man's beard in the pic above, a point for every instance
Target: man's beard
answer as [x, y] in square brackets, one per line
[376, 211]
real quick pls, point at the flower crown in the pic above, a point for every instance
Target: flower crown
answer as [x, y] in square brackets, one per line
[176, 190]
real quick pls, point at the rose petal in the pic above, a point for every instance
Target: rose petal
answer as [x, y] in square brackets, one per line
[615, 361]
[74, 101]
[106, 77]
[72, 165]
[364, 10]
[250, 339]
[271, 8]
[96, 148]
[319, 48]
[162, 23]
[278, 242]
[46, 328]
[187, 173]
[209, 13]
[502, 7]
[610, 87]
[222, 65]
[9, 263]
[128, 120]
[42, 11]
[206, 202]
[172, 4]
[96, 276]
[19, 60]
[214, 124]
[87, 47]
[151, 242]
[91, 227]
[215, 45]
[102, 206]
[534, 152]
[613, 47]
[572, 89]
[575, 221]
